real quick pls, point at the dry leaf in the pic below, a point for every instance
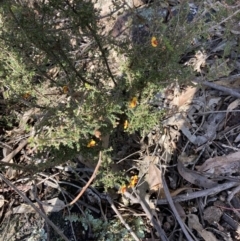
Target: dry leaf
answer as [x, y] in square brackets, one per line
[53, 72]
[237, 139]
[234, 104]
[56, 205]
[212, 102]
[221, 165]
[154, 178]
[185, 97]
[11, 173]
[212, 214]
[180, 211]
[193, 223]
[198, 61]
[2, 200]
[187, 160]
[194, 177]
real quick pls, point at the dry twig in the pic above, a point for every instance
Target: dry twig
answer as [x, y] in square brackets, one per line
[147, 211]
[170, 201]
[227, 90]
[197, 194]
[89, 181]
[121, 219]
[24, 197]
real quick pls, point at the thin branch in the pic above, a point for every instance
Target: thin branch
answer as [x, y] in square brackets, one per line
[24, 197]
[227, 90]
[147, 211]
[224, 20]
[121, 219]
[171, 204]
[89, 181]
[14, 152]
[197, 194]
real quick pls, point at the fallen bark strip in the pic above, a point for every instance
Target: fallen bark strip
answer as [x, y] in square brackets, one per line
[171, 204]
[197, 194]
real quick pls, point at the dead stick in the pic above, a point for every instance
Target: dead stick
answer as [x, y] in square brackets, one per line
[24, 197]
[171, 204]
[121, 219]
[15, 152]
[197, 194]
[229, 91]
[147, 211]
[89, 181]
[224, 20]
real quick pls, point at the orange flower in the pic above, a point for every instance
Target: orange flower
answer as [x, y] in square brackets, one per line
[133, 102]
[65, 89]
[26, 96]
[91, 143]
[122, 189]
[133, 182]
[125, 124]
[154, 42]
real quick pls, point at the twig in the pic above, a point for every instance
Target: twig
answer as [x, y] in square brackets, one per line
[231, 195]
[221, 88]
[225, 20]
[121, 219]
[230, 147]
[68, 208]
[89, 181]
[129, 156]
[148, 213]
[6, 160]
[14, 152]
[170, 201]
[217, 111]
[55, 184]
[197, 194]
[41, 208]
[234, 191]
[24, 197]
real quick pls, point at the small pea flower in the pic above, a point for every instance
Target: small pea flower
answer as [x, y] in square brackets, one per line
[154, 42]
[91, 143]
[122, 189]
[133, 182]
[125, 124]
[133, 102]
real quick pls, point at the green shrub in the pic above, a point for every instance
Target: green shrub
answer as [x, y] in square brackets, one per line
[55, 58]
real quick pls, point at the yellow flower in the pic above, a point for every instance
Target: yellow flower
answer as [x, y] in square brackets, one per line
[125, 124]
[26, 96]
[133, 182]
[154, 42]
[91, 143]
[122, 189]
[133, 102]
[65, 89]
